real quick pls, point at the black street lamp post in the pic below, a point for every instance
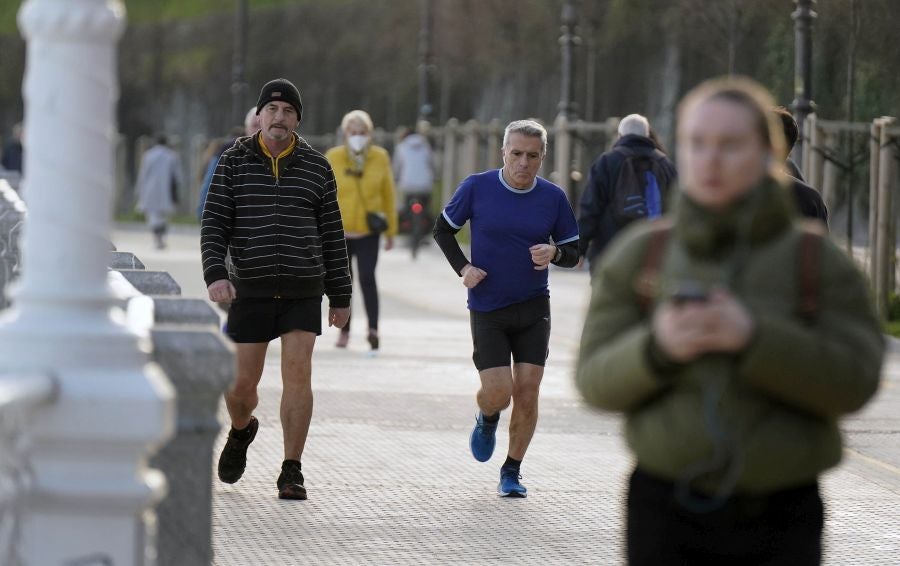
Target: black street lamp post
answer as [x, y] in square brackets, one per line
[803, 17]
[239, 64]
[568, 41]
[426, 66]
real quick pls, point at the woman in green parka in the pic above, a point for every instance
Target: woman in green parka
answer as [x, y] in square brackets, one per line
[733, 338]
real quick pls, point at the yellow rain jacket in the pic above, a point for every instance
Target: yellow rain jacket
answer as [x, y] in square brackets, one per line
[376, 184]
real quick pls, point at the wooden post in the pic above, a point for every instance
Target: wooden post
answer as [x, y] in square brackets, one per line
[816, 159]
[578, 164]
[828, 187]
[612, 129]
[874, 156]
[494, 141]
[562, 152]
[449, 179]
[469, 161]
[885, 248]
[804, 149]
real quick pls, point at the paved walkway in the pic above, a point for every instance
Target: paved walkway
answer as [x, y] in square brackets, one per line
[388, 470]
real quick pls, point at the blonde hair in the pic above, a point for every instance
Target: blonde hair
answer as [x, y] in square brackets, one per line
[743, 92]
[359, 116]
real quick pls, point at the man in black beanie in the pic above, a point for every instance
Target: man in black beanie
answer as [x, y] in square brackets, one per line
[273, 204]
[283, 90]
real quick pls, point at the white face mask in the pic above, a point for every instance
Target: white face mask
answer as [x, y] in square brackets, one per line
[357, 143]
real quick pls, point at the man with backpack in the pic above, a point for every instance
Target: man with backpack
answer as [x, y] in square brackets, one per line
[627, 183]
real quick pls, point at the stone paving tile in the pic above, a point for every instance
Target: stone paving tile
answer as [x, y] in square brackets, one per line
[390, 477]
[391, 480]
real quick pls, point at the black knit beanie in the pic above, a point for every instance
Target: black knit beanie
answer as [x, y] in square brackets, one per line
[283, 90]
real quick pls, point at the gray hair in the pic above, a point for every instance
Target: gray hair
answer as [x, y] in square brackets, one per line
[251, 121]
[528, 128]
[634, 124]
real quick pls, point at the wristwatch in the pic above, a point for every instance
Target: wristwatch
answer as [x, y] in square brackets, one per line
[558, 255]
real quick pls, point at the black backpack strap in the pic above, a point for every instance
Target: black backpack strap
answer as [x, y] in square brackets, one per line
[647, 282]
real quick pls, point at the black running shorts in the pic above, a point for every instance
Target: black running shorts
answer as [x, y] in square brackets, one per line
[521, 330]
[263, 320]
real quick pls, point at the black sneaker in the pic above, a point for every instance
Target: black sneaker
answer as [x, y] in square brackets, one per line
[374, 342]
[233, 460]
[290, 482]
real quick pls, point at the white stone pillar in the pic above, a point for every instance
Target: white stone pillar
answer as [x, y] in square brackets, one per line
[91, 490]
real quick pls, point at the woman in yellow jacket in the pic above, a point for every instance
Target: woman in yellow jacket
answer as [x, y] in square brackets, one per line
[365, 190]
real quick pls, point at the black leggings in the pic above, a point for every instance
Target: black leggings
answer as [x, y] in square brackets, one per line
[366, 251]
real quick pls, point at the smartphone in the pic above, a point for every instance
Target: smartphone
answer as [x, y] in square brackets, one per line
[690, 292]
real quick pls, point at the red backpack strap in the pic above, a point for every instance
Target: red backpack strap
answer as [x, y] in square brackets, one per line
[647, 283]
[810, 270]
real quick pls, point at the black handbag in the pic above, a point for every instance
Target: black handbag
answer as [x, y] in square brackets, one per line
[377, 223]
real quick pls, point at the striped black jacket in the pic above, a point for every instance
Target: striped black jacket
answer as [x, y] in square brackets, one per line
[285, 235]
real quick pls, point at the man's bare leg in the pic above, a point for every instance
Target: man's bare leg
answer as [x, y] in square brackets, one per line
[496, 390]
[522, 422]
[494, 396]
[297, 397]
[526, 387]
[242, 398]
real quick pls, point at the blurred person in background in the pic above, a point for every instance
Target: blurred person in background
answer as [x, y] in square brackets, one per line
[733, 339]
[13, 152]
[414, 166]
[629, 182]
[365, 188]
[807, 199]
[414, 175]
[158, 182]
[251, 126]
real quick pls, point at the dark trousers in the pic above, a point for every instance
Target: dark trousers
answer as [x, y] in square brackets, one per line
[365, 250]
[781, 528]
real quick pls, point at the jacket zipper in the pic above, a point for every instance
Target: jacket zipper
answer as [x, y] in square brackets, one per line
[277, 258]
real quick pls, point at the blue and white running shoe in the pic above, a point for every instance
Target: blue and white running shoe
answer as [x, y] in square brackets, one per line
[509, 485]
[483, 438]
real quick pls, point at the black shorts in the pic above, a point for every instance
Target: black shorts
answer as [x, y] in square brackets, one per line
[521, 330]
[263, 320]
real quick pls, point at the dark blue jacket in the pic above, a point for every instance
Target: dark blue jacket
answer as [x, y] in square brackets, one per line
[207, 177]
[13, 157]
[808, 200]
[596, 224]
